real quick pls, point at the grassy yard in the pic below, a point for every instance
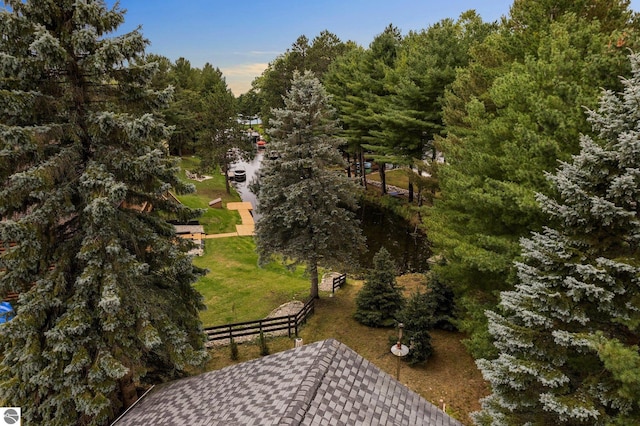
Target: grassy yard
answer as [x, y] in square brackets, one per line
[214, 221]
[235, 289]
[395, 177]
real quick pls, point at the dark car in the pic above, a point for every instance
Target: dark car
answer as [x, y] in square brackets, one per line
[239, 175]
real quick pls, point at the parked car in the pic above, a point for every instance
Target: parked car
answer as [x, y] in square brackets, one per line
[239, 175]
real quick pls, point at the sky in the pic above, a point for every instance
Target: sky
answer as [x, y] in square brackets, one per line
[242, 37]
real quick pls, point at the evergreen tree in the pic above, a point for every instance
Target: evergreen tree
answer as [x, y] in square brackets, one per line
[248, 105]
[380, 299]
[106, 304]
[305, 200]
[344, 81]
[568, 334]
[510, 115]
[424, 311]
[275, 81]
[417, 319]
[379, 60]
[181, 113]
[439, 301]
[425, 68]
[219, 130]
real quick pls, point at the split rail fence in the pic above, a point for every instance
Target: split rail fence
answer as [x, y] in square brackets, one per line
[291, 323]
[338, 282]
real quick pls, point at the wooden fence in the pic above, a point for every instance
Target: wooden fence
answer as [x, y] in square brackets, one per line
[338, 282]
[291, 323]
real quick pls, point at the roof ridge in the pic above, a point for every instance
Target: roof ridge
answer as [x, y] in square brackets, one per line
[306, 392]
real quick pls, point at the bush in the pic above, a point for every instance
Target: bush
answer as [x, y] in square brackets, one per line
[380, 299]
[417, 321]
[233, 347]
[440, 303]
[264, 349]
[424, 311]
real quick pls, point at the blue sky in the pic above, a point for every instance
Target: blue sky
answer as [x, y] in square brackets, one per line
[242, 37]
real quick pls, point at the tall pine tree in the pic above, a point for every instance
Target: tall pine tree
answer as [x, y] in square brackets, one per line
[105, 298]
[306, 201]
[510, 115]
[568, 334]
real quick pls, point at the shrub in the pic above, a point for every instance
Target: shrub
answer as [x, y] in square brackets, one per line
[233, 347]
[380, 299]
[417, 321]
[264, 349]
[440, 305]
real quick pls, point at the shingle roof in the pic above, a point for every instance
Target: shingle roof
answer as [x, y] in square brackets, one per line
[323, 383]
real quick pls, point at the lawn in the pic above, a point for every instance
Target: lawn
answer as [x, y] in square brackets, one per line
[214, 221]
[394, 177]
[236, 289]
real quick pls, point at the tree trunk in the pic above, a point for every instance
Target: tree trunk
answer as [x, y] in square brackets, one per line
[225, 170]
[383, 178]
[313, 276]
[348, 165]
[128, 390]
[410, 192]
[362, 173]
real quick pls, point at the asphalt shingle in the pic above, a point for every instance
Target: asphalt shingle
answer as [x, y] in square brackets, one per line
[323, 383]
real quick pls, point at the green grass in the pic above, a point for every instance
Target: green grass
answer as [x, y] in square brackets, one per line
[236, 289]
[395, 177]
[214, 221]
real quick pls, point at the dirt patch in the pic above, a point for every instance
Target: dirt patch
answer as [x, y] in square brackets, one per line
[412, 283]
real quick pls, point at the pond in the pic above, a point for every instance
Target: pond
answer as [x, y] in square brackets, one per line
[409, 248]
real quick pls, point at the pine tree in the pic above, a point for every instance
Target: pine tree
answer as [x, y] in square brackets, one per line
[568, 334]
[426, 66]
[219, 130]
[380, 299]
[417, 319]
[305, 200]
[424, 311]
[510, 115]
[106, 304]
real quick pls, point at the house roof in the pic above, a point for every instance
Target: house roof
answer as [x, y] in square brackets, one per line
[323, 383]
